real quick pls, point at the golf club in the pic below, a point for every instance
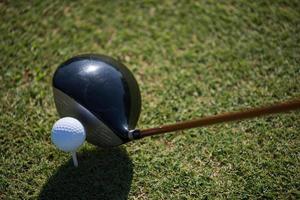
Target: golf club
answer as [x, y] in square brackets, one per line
[103, 95]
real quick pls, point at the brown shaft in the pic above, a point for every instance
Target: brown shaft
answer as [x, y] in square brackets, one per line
[225, 117]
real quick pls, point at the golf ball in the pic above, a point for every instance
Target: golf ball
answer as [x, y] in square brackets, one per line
[68, 134]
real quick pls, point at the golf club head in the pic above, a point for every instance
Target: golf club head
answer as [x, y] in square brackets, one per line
[102, 94]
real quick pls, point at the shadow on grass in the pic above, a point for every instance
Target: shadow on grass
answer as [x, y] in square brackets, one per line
[101, 174]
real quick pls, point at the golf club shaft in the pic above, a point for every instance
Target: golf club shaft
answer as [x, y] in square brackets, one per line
[225, 117]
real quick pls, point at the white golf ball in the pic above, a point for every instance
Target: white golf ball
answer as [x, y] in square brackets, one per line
[68, 134]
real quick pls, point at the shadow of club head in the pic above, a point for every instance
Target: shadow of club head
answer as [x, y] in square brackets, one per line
[101, 174]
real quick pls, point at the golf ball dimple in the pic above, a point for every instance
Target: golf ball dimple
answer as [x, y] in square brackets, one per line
[68, 134]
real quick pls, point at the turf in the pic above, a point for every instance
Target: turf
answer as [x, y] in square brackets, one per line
[191, 59]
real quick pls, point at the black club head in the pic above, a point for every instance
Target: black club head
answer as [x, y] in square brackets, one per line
[101, 93]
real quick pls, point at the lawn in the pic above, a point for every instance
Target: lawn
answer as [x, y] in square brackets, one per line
[191, 59]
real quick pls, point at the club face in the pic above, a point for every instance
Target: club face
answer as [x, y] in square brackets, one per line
[100, 92]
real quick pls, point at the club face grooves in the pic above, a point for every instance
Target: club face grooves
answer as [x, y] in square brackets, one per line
[97, 132]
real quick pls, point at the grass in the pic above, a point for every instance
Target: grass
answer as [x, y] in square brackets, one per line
[191, 59]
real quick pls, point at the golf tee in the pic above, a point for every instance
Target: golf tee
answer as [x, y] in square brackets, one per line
[75, 161]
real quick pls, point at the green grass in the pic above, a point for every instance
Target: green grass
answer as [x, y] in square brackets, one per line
[191, 59]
